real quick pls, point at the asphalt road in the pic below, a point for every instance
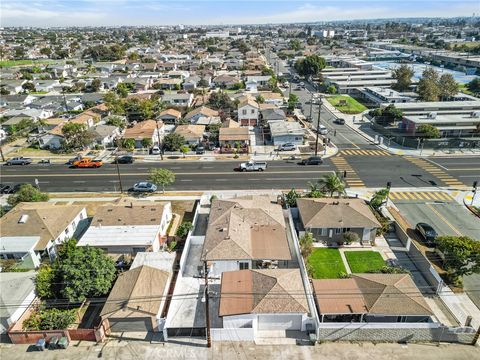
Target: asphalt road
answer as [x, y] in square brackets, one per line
[374, 171]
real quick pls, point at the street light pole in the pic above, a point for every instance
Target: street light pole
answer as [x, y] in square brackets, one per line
[318, 125]
[311, 106]
[118, 174]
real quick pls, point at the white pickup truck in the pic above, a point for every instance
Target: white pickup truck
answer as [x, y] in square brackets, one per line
[253, 166]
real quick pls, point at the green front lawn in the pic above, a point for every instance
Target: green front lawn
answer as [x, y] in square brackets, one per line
[10, 63]
[326, 263]
[352, 106]
[364, 261]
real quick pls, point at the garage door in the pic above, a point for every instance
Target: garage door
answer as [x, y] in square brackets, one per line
[130, 324]
[279, 322]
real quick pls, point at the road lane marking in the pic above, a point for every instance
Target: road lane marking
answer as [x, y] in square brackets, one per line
[444, 220]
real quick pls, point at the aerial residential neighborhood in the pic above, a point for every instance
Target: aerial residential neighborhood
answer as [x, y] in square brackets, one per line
[230, 179]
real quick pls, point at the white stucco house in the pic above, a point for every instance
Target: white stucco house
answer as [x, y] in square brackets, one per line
[248, 110]
[129, 226]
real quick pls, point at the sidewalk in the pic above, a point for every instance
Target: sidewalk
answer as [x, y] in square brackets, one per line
[360, 125]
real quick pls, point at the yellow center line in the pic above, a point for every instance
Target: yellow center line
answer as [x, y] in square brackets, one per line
[445, 220]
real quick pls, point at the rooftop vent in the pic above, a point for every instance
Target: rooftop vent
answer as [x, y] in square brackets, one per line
[432, 115]
[23, 219]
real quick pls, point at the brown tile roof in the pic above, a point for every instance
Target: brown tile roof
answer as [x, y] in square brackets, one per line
[190, 132]
[201, 110]
[143, 129]
[266, 106]
[378, 294]
[336, 213]
[171, 112]
[251, 227]
[247, 101]
[129, 212]
[141, 289]
[233, 134]
[262, 291]
[230, 123]
[45, 220]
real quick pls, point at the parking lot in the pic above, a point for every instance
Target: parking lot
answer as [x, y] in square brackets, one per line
[447, 218]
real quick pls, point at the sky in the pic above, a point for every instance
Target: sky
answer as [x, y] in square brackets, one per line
[48, 13]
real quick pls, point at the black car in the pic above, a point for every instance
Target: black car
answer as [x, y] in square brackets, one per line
[126, 159]
[339, 121]
[312, 160]
[17, 187]
[427, 232]
[5, 189]
[200, 150]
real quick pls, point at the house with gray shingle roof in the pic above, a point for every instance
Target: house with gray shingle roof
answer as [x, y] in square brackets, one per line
[328, 219]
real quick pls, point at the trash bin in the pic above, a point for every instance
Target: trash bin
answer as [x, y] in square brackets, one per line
[40, 344]
[63, 343]
[53, 343]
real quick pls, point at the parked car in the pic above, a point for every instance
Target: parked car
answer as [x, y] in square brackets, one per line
[427, 232]
[76, 158]
[339, 121]
[155, 150]
[17, 187]
[287, 147]
[125, 159]
[312, 160]
[87, 163]
[5, 189]
[200, 150]
[18, 161]
[144, 186]
[322, 130]
[253, 166]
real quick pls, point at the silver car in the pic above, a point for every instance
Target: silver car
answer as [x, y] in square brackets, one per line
[144, 186]
[287, 147]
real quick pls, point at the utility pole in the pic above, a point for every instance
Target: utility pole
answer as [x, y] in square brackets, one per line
[118, 174]
[318, 125]
[311, 106]
[1, 153]
[207, 310]
[475, 184]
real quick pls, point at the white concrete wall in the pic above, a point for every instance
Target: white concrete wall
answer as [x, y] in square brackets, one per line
[239, 321]
[219, 267]
[232, 334]
[280, 322]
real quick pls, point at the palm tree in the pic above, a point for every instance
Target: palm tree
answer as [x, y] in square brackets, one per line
[332, 183]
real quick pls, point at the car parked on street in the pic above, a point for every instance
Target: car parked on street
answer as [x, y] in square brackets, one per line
[125, 159]
[427, 232]
[18, 161]
[253, 166]
[144, 187]
[200, 150]
[5, 189]
[322, 130]
[155, 150]
[312, 160]
[287, 147]
[76, 158]
[339, 121]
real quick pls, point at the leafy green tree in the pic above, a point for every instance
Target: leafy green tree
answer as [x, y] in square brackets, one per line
[104, 53]
[139, 110]
[116, 121]
[162, 177]
[267, 71]
[96, 84]
[310, 65]
[114, 103]
[462, 256]
[173, 141]
[332, 89]
[46, 51]
[292, 100]
[315, 192]
[260, 99]
[87, 272]
[133, 56]
[27, 193]
[295, 44]
[44, 282]
[403, 74]
[428, 88]
[122, 90]
[428, 131]
[221, 100]
[184, 149]
[332, 183]
[128, 144]
[146, 142]
[29, 86]
[306, 244]
[448, 86]
[291, 198]
[378, 198]
[474, 85]
[350, 237]
[184, 228]
[76, 136]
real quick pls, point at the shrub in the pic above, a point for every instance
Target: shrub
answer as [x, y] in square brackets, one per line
[350, 237]
[50, 319]
[44, 282]
[171, 245]
[184, 228]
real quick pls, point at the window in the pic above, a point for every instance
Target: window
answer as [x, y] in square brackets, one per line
[338, 230]
[66, 231]
[252, 111]
[344, 230]
[81, 216]
[244, 112]
[243, 265]
[323, 232]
